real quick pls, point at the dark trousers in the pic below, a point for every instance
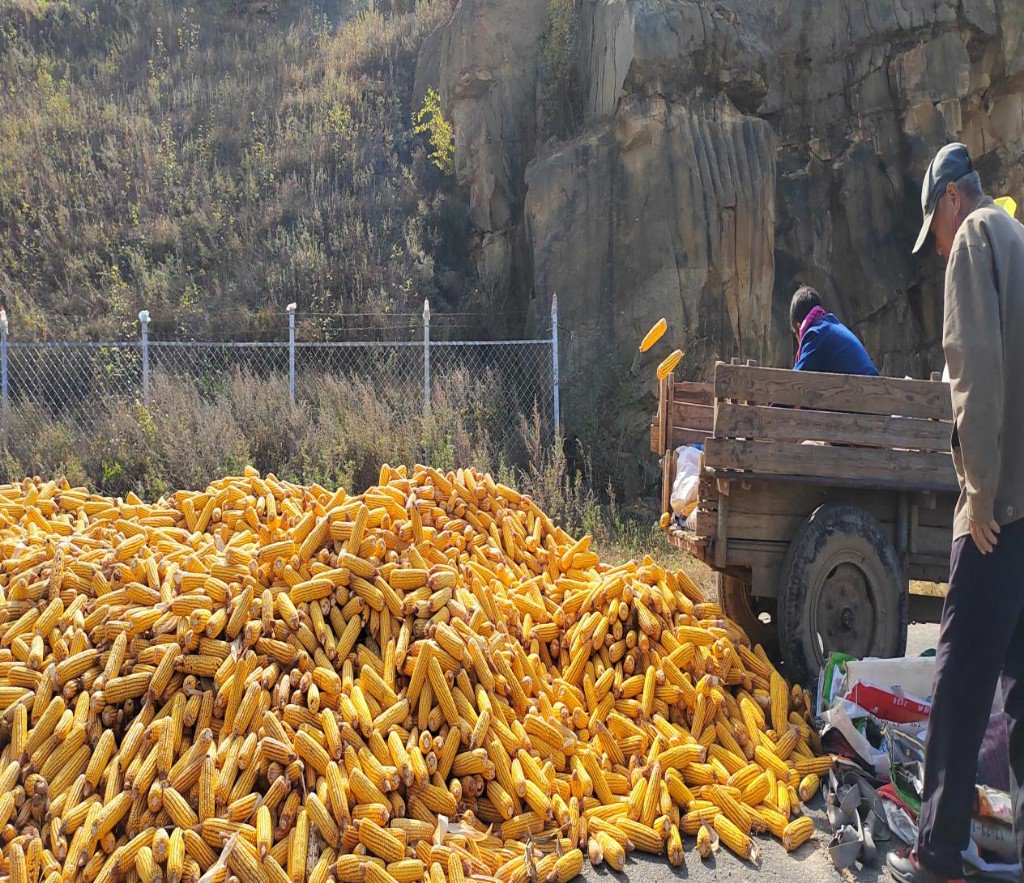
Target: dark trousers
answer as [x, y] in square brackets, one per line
[982, 635]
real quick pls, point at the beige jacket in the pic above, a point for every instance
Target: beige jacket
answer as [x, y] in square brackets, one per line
[983, 339]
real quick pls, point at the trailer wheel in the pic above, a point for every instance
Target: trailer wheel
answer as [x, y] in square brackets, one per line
[742, 608]
[841, 589]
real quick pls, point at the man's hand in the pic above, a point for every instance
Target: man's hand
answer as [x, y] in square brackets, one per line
[985, 536]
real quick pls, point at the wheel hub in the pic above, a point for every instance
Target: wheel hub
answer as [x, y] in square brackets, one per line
[845, 612]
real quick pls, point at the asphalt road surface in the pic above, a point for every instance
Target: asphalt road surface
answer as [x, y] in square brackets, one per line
[809, 864]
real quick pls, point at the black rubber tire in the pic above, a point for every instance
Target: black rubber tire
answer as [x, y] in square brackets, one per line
[738, 604]
[864, 608]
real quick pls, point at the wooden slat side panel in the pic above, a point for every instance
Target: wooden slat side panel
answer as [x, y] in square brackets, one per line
[680, 435]
[693, 393]
[756, 553]
[778, 528]
[834, 392]
[759, 422]
[769, 499]
[869, 467]
[706, 523]
[692, 416]
[932, 542]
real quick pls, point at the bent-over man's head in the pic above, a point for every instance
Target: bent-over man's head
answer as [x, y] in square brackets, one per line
[804, 300]
[949, 193]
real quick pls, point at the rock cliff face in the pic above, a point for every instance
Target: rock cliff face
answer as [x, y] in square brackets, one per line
[723, 154]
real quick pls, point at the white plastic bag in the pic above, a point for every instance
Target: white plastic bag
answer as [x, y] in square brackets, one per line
[684, 487]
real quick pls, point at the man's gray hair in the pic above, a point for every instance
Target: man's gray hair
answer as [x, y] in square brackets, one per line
[970, 185]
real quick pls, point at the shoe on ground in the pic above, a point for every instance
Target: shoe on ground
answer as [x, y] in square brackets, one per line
[905, 867]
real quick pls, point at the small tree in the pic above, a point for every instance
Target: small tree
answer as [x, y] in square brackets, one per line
[430, 121]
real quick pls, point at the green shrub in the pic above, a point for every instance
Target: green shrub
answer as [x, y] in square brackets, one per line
[430, 121]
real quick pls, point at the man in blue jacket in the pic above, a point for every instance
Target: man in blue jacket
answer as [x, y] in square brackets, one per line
[825, 343]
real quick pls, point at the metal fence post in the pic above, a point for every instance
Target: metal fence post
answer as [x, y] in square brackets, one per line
[426, 357]
[291, 351]
[3, 376]
[554, 362]
[144, 324]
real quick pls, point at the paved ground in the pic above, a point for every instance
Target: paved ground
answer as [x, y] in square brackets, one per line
[809, 864]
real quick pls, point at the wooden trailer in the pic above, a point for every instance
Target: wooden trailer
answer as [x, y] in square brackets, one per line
[821, 497]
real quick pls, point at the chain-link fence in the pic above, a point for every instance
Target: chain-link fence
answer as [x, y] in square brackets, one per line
[70, 380]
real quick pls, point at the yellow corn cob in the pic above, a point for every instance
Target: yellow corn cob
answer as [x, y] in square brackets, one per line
[408, 870]
[566, 867]
[380, 841]
[797, 832]
[611, 851]
[654, 335]
[175, 856]
[641, 836]
[351, 868]
[733, 810]
[733, 763]
[783, 748]
[18, 867]
[298, 848]
[692, 821]
[178, 809]
[735, 839]
[779, 692]
[705, 844]
[376, 874]
[817, 765]
[782, 799]
[772, 820]
[757, 790]
[809, 785]
[769, 761]
[264, 831]
[668, 364]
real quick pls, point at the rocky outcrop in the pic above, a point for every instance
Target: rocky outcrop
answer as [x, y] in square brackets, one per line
[484, 63]
[698, 247]
[725, 153]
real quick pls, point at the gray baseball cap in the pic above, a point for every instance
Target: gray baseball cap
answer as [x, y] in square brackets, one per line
[951, 163]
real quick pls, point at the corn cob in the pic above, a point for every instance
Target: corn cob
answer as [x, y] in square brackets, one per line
[706, 842]
[654, 335]
[641, 836]
[566, 867]
[735, 839]
[809, 785]
[797, 832]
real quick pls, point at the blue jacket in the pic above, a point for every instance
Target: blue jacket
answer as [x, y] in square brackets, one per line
[832, 348]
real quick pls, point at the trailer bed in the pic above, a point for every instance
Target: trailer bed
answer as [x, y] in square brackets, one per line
[779, 446]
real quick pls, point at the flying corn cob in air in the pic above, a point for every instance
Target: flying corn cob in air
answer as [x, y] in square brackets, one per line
[654, 335]
[427, 681]
[668, 364]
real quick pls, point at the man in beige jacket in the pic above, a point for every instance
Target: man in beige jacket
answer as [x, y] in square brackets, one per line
[982, 632]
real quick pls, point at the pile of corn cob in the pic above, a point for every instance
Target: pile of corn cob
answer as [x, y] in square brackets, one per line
[431, 680]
